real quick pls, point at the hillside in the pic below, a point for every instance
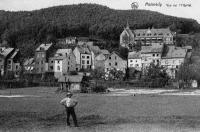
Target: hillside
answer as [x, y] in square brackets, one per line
[26, 29]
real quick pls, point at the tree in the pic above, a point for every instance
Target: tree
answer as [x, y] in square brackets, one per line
[115, 74]
[156, 71]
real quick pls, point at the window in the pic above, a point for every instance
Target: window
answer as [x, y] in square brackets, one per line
[109, 64]
[115, 63]
[58, 62]
[88, 62]
[16, 67]
[69, 57]
[131, 60]
[51, 61]
[68, 63]
[88, 57]
[136, 61]
[110, 58]
[83, 56]
[157, 54]
[51, 67]
[9, 61]
[68, 68]
[58, 68]
[0, 61]
[153, 55]
[83, 62]
[115, 57]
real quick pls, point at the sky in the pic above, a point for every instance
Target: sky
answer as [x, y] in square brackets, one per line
[190, 10]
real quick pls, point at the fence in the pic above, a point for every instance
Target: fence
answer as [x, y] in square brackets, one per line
[158, 83]
[23, 84]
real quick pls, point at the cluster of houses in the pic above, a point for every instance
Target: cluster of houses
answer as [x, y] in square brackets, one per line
[158, 46]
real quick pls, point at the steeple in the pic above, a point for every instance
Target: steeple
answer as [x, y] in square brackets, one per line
[127, 25]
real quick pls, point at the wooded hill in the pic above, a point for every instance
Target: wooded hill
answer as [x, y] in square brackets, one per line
[27, 29]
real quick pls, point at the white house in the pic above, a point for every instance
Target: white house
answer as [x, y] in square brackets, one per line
[134, 60]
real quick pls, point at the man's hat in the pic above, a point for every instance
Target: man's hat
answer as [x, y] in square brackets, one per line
[69, 94]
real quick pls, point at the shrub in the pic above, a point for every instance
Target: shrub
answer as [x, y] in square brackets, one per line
[99, 89]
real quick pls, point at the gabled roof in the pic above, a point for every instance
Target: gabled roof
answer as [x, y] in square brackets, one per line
[105, 52]
[134, 55]
[175, 52]
[44, 47]
[95, 49]
[5, 51]
[152, 49]
[114, 52]
[14, 54]
[71, 78]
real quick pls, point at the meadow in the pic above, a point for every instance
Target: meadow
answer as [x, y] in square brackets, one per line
[40, 110]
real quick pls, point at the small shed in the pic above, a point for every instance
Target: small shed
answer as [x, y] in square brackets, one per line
[70, 82]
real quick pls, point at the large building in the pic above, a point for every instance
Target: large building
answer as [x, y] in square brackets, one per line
[129, 38]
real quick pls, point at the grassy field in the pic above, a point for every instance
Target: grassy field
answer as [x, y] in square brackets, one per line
[98, 112]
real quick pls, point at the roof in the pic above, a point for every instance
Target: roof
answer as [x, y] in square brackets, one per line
[152, 49]
[175, 52]
[63, 52]
[118, 54]
[5, 51]
[129, 31]
[83, 50]
[134, 55]
[29, 61]
[44, 47]
[152, 32]
[95, 49]
[71, 78]
[15, 53]
[105, 52]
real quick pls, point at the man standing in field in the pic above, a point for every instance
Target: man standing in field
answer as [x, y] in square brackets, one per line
[69, 104]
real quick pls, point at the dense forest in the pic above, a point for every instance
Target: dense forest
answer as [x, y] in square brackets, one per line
[27, 29]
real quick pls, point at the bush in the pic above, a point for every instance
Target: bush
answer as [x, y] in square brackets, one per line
[99, 89]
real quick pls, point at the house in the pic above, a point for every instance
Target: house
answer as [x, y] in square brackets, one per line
[151, 54]
[134, 60]
[115, 61]
[13, 63]
[29, 65]
[99, 61]
[70, 83]
[5, 54]
[129, 38]
[42, 54]
[172, 60]
[64, 62]
[83, 57]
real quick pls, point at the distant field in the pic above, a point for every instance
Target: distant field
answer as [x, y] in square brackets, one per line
[42, 112]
